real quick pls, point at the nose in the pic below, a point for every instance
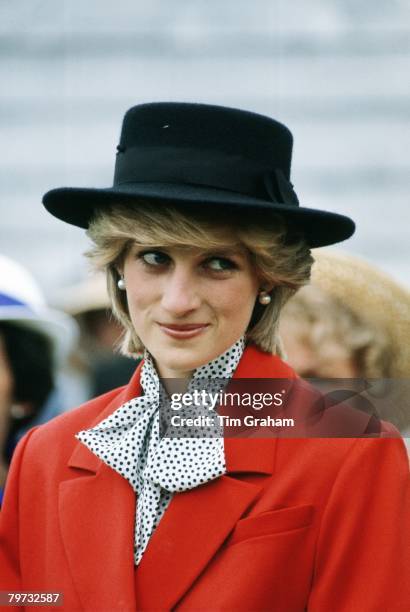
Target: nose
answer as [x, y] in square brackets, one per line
[180, 294]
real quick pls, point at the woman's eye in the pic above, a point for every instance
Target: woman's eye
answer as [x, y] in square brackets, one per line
[154, 258]
[220, 264]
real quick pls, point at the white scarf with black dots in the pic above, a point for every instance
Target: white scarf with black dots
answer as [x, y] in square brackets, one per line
[129, 441]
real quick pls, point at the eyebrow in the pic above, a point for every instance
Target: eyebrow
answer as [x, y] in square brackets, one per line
[213, 251]
[223, 252]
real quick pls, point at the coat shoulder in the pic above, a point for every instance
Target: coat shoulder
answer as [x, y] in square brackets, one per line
[60, 431]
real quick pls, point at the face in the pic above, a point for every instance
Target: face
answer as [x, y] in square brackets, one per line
[6, 378]
[188, 305]
[6, 400]
[332, 361]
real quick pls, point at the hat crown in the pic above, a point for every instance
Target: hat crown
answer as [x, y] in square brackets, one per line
[17, 284]
[22, 304]
[204, 127]
[202, 155]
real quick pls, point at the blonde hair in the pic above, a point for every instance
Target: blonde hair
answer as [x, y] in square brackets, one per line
[276, 259]
[323, 321]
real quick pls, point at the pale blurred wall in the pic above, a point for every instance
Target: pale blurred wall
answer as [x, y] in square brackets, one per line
[336, 71]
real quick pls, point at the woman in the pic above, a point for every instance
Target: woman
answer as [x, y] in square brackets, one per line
[34, 341]
[203, 242]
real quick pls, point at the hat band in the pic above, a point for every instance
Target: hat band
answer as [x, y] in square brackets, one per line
[6, 300]
[205, 168]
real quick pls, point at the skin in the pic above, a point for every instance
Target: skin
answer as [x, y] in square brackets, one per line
[182, 286]
[6, 398]
[331, 361]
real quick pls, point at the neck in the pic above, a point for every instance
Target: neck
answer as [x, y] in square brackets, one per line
[177, 381]
[174, 381]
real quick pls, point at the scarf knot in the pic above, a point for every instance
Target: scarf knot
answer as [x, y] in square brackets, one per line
[131, 442]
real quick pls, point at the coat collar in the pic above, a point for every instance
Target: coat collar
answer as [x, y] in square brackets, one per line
[97, 507]
[254, 364]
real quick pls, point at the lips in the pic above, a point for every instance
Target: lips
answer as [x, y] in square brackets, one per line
[186, 327]
[188, 330]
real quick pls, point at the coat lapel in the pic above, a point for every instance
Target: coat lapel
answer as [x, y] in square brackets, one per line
[195, 525]
[97, 508]
[97, 514]
[97, 523]
[198, 521]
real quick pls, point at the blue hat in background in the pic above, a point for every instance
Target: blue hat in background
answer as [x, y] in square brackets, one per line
[22, 303]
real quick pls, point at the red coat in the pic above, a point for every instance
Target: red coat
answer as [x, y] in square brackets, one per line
[317, 524]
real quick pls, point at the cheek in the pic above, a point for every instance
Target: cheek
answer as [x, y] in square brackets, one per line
[141, 291]
[6, 380]
[236, 300]
[138, 304]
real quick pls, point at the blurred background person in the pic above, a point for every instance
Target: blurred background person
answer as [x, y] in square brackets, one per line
[34, 342]
[352, 322]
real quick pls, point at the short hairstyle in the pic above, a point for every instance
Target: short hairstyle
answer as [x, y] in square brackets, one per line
[277, 257]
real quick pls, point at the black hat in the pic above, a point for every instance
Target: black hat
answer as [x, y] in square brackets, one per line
[202, 155]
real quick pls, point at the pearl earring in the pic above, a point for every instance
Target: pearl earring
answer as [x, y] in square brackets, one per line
[264, 298]
[121, 283]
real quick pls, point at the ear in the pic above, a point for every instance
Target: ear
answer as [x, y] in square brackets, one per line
[119, 270]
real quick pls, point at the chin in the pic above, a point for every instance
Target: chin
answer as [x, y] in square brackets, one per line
[184, 359]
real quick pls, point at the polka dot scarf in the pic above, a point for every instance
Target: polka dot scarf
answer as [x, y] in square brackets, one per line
[129, 441]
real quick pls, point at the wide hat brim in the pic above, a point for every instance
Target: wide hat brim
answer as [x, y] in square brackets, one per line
[77, 206]
[87, 295]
